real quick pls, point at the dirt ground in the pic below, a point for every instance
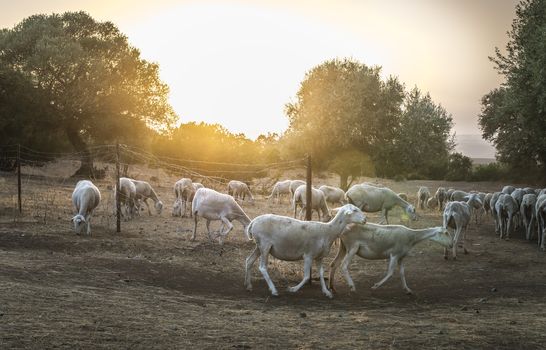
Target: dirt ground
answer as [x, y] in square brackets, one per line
[151, 287]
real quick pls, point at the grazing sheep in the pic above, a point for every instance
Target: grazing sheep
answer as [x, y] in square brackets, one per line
[333, 195]
[492, 206]
[291, 239]
[423, 194]
[476, 206]
[280, 188]
[144, 191]
[486, 203]
[184, 191]
[127, 195]
[212, 206]
[441, 197]
[373, 199]
[506, 208]
[403, 195]
[378, 242]
[508, 189]
[529, 190]
[449, 192]
[318, 202]
[432, 203]
[86, 197]
[517, 194]
[294, 184]
[527, 212]
[458, 196]
[456, 216]
[239, 190]
[540, 214]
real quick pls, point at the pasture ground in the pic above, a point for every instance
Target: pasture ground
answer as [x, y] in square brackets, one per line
[151, 287]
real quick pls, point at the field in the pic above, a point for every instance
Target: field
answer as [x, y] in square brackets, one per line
[151, 287]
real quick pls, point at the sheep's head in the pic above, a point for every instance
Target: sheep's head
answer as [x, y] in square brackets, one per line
[79, 223]
[159, 207]
[177, 208]
[410, 210]
[352, 215]
[443, 237]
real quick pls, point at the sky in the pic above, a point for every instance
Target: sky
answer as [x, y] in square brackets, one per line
[238, 62]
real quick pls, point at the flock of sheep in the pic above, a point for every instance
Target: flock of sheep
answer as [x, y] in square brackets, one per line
[291, 239]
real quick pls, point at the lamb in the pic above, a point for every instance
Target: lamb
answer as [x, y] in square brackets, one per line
[86, 197]
[184, 191]
[333, 195]
[294, 184]
[458, 196]
[508, 189]
[377, 242]
[373, 199]
[527, 212]
[506, 208]
[540, 214]
[423, 194]
[127, 194]
[291, 239]
[212, 205]
[239, 190]
[318, 202]
[280, 188]
[456, 216]
[144, 191]
[441, 197]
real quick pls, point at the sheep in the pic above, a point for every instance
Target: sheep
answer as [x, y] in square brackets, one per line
[492, 206]
[529, 190]
[239, 190]
[486, 203]
[457, 216]
[318, 202]
[212, 205]
[458, 196]
[373, 199]
[127, 194]
[432, 202]
[378, 242]
[184, 191]
[476, 206]
[508, 189]
[197, 185]
[527, 212]
[449, 192]
[540, 214]
[441, 197]
[294, 184]
[517, 194]
[506, 208]
[86, 197]
[333, 195]
[280, 188]
[423, 194]
[541, 192]
[144, 191]
[403, 195]
[290, 239]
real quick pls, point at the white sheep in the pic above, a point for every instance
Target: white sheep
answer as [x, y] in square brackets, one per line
[506, 208]
[127, 195]
[476, 206]
[423, 194]
[508, 189]
[487, 202]
[540, 214]
[432, 202]
[86, 197]
[458, 196]
[403, 195]
[212, 206]
[291, 239]
[449, 192]
[373, 199]
[184, 191]
[318, 202]
[239, 190]
[144, 191]
[280, 188]
[527, 212]
[333, 195]
[294, 184]
[492, 206]
[456, 216]
[378, 242]
[517, 194]
[441, 197]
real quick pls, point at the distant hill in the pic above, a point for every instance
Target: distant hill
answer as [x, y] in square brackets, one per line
[473, 146]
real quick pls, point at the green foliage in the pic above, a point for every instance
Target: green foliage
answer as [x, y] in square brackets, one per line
[351, 164]
[490, 172]
[459, 167]
[513, 116]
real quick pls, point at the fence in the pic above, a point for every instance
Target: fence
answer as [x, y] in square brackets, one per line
[32, 180]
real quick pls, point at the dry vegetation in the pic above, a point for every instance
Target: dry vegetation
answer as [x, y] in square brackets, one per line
[151, 287]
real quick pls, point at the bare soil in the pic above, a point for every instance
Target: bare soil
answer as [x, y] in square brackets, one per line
[151, 287]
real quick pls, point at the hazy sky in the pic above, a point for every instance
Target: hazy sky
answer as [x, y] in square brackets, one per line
[238, 62]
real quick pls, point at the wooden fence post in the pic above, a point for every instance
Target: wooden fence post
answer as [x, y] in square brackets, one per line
[308, 193]
[19, 179]
[118, 204]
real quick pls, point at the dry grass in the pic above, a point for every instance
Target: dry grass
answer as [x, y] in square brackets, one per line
[151, 287]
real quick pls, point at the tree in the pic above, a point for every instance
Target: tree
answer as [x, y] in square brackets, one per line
[513, 116]
[459, 167]
[349, 165]
[97, 86]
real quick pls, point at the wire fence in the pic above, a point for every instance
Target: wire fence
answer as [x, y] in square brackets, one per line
[37, 185]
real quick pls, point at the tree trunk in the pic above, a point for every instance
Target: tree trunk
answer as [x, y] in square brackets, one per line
[343, 181]
[86, 167]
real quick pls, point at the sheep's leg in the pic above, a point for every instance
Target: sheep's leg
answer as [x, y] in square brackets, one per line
[250, 260]
[509, 226]
[195, 228]
[264, 254]
[390, 271]
[335, 264]
[345, 267]
[88, 221]
[322, 283]
[145, 200]
[208, 229]
[307, 262]
[456, 241]
[464, 240]
[223, 233]
[384, 220]
[403, 276]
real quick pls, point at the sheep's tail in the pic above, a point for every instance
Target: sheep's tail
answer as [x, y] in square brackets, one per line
[248, 232]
